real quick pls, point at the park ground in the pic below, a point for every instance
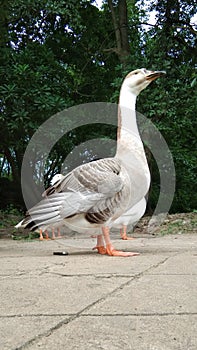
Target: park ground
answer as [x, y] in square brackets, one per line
[84, 300]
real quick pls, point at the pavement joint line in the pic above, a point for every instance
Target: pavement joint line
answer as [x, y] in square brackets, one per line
[100, 276]
[97, 275]
[105, 315]
[173, 274]
[88, 307]
[142, 314]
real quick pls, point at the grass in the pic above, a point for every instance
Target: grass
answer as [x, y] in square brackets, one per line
[8, 219]
[180, 223]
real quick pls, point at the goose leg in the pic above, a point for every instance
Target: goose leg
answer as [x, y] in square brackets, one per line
[41, 238]
[46, 234]
[100, 245]
[123, 233]
[109, 247]
[41, 235]
[58, 233]
[53, 233]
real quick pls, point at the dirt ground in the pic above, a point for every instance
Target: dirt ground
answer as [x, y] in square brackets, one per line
[173, 224]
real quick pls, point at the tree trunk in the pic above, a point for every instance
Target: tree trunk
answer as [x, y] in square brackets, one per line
[123, 23]
[120, 24]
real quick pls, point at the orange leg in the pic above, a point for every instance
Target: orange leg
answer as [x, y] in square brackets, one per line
[123, 233]
[110, 249]
[41, 235]
[58, 233]
[53, 233]
[46, 234]
[100, 245]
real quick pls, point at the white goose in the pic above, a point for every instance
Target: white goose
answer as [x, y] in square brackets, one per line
[92, 196]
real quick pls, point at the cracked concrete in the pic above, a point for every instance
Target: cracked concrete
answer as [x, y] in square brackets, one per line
[88, 301]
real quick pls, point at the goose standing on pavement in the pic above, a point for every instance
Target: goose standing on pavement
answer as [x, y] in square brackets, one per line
[92, 196]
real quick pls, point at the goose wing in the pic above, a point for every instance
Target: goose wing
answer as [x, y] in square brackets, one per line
[89, 188]
[101, 176]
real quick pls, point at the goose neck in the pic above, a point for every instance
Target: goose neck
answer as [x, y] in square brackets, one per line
[127, 123]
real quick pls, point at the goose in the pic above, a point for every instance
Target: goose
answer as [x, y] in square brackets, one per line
[93, 195]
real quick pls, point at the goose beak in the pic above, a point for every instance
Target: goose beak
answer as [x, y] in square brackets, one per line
[155, 74]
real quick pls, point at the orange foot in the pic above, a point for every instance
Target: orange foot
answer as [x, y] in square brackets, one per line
[46, 235]
[123, 233]
[101, 250]
[112, 252]
[126, 238]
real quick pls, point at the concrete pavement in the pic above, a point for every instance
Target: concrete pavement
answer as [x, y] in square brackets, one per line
[88, 301]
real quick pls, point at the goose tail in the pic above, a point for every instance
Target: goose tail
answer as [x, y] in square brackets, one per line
[43, 214]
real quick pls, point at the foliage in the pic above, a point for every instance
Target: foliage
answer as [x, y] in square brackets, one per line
[57, 54]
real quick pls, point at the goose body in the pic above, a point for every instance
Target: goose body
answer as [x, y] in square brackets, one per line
[96, 191]
[92, 196]
[129, 218]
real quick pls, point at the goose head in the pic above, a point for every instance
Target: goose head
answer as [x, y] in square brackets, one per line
[139, 79]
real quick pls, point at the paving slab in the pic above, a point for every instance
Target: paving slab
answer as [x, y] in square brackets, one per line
[123, 332]
[101, 266]
[88, 301]
[152, 295]
[182, 264]
[48, 295]
[16, 331]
